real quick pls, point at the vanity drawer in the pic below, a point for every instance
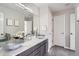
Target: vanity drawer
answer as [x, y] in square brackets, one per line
[31, 51]
[44, 42]
[26, 52]
[37, 51]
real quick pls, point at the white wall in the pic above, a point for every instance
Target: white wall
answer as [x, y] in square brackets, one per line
[50, 28]
[46, 20]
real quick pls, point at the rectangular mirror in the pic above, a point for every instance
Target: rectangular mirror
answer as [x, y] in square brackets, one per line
[15, 21]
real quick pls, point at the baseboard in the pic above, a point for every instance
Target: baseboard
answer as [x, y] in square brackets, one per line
[69, 48]
[64, 47]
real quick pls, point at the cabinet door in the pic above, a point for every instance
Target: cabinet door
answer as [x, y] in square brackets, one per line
[26, 52]
[37, 52]
[43, 50]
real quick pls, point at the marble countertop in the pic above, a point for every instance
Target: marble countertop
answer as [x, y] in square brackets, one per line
[25, 46]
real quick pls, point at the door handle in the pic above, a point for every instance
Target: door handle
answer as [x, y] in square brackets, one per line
[70, 33]
[62, 33]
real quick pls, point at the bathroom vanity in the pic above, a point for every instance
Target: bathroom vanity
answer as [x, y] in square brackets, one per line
[17, 26]
[33, 47]
[39, 49]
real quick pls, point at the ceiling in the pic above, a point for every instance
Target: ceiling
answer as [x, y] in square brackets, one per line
[13, 6]
[57, 6]
[53, 6]
[60, 6]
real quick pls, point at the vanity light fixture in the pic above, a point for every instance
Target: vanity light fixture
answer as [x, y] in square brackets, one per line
[24, 7]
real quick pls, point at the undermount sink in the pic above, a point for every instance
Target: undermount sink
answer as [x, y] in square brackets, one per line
[11, 46]
[40, 36]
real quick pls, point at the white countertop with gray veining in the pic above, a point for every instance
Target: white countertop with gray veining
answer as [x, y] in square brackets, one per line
[26, 45]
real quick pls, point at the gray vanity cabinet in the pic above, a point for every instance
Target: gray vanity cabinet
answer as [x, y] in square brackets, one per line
[43, 50]
[38, 50]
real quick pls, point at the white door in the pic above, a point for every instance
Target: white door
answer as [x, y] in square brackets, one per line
[59, 30]
[72, 31]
